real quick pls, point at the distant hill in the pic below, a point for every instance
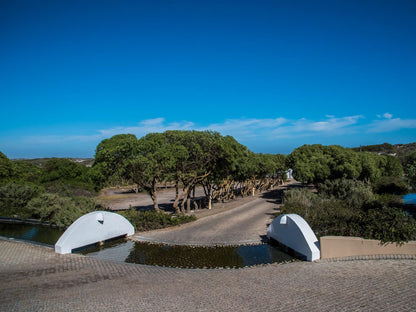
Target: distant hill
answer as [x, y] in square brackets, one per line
[40, 162]
[398, 150]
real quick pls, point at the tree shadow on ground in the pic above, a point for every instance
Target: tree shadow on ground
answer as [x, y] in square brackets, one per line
[276, 196]
[168, 207]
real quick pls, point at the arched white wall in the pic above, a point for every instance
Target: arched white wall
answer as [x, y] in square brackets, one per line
[91, 228]
[293, 231]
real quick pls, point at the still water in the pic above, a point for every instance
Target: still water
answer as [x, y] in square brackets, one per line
[189, 256]
[123, 250]
[409, 199]
[31, 232]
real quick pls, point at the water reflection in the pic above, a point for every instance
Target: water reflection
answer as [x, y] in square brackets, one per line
[188, 256]
[31, 232]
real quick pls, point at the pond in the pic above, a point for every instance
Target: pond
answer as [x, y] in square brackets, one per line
[31, 232]
[409, 199]
[188, 256]
[124, 250]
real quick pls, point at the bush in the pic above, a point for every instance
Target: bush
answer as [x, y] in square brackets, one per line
[65, 171]
[152, 220]
[352, 192]
[62, 211]
[391, 185]
[331, 216]
[69, 189]
[388, 224]
[15, 196]
[325, 216]
[6, 168]
[25, 171]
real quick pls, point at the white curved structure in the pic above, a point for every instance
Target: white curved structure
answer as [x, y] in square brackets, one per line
[293, 231]
[92, 228]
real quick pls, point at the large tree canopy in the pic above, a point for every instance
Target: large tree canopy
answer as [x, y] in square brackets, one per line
[187, 158]
[113, 155]
[318, 163]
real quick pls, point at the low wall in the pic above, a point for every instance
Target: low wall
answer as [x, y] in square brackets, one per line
[341, 246]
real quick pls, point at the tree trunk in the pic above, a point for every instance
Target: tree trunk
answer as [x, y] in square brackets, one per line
[155, 204]
[185, 197]
[176, 202]
[188, 204]
[194, 200]
[154, 196]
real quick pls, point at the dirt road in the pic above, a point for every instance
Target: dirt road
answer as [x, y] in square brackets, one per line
[245, 223]
[124, 198]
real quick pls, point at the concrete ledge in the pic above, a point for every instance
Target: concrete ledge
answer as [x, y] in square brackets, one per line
[342, 247]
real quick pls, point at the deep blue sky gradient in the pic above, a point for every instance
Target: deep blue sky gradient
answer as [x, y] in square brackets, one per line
[274, 74]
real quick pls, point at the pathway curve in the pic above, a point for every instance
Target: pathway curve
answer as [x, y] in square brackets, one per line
[34, 278]
[240, 222]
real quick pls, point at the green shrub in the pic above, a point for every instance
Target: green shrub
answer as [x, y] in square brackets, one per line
[15, 196]
[392, 185]
[69, 188]
[59, 210]
[376, 219]
[151, 220]
[352, 192]
[25, 171]
[326, 216]
[388, 224]
[65, 171]
[6, 168]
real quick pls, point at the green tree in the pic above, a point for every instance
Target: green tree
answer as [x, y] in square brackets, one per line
[310, 164]
[231, 156]
[199, 154]
[153, 163]
[112, 157]
[370, 171]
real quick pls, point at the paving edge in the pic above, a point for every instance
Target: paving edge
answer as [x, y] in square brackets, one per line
[369, 257]
[143, 239]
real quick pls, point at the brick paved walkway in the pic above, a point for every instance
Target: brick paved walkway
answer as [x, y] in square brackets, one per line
[34, 278]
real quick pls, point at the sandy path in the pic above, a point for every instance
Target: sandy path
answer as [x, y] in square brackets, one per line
[123, 198]
[243, 223]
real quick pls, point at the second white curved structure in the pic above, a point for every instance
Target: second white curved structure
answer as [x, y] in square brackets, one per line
[293, 231]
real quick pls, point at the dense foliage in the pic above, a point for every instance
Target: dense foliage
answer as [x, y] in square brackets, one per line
[317, 163]
[409, 164]
[356, 188]
[350, 208]
[358, 191]
[59, 192]
[224, 167]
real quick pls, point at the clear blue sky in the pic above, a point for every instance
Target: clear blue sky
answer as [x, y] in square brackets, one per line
[273, 74]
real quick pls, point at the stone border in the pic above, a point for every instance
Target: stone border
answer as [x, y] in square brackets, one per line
[143, 239]
[370, 257]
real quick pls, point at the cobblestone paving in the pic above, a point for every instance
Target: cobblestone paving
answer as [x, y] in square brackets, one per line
[34, 278]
